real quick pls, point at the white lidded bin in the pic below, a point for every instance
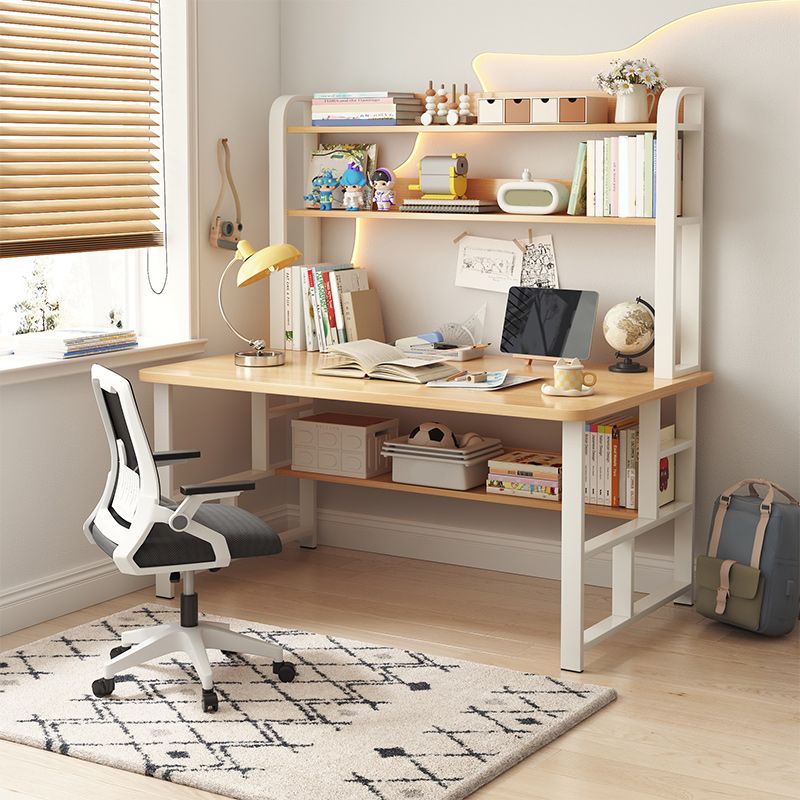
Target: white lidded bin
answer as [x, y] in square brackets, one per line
[439, 470]
[342, 444]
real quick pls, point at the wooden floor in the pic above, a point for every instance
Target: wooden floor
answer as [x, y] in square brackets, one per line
[704, 711]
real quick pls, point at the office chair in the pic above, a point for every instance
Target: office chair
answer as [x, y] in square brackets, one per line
[147, 534]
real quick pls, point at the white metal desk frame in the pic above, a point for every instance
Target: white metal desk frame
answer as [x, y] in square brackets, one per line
[574, 548]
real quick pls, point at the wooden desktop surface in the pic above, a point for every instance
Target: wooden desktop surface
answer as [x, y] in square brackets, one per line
[614, 392]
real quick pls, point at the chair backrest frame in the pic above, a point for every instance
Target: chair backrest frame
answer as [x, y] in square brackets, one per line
[147, 509]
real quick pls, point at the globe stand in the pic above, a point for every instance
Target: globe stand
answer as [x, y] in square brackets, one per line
[628, 364]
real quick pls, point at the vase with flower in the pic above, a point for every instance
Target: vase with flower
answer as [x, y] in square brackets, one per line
[634, 82]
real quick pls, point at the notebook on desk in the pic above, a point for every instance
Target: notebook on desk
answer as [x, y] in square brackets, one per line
[370, 359]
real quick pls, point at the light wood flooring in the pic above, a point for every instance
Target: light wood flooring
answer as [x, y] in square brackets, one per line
[704, 711]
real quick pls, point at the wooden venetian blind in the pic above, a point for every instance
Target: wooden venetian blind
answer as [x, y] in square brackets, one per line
[79, 126]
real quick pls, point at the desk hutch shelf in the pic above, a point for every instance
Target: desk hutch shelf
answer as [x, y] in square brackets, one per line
[677, 265]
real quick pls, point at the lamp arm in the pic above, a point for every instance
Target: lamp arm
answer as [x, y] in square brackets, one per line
[251, 342]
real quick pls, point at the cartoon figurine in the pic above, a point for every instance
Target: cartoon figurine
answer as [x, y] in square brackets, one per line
[382, 182]
[354, 182]
[325, 184]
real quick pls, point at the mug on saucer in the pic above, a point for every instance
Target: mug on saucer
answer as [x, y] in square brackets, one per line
[569, 375]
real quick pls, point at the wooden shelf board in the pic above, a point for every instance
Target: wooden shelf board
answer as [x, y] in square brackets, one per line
[606, 127]
[498, 217]
[479, 493]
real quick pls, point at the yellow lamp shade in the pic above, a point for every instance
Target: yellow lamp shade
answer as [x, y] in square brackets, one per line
[257, 264]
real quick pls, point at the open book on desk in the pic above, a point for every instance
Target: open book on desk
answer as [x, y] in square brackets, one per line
[367, 358]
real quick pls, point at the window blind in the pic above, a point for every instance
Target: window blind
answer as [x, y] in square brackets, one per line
[79, 126]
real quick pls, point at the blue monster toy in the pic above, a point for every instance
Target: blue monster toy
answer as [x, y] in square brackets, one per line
[354, 182]
[325, 184]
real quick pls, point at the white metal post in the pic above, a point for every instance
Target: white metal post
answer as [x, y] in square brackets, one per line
[685, 466]
[162, 438]
[572, 541]
[308, 512]
[649, 451]
[622, 561]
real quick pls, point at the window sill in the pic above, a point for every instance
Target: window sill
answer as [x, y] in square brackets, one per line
[24, 369]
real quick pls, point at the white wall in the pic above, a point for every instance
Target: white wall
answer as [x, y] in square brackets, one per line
[53, 457]
[747, 57]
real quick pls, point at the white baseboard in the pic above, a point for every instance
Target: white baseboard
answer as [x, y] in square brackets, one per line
[71, 590]
[503, 552]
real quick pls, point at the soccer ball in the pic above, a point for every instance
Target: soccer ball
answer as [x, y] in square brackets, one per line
[432, 434]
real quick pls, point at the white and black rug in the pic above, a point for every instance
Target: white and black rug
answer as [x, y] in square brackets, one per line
[360, 721]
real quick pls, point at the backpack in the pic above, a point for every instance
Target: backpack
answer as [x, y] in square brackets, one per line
[751, 575]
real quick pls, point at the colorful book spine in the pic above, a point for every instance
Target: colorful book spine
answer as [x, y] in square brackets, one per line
[639, 180]
[591, 152]
[519, 489]
[288, 303]
[576, 206]
[322, 123]
[309, 313]
[331, 333]
[614, 178]
[360, 95]
[649, 174]
[607, 176]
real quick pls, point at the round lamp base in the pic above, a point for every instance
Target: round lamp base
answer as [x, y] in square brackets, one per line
[259, 358]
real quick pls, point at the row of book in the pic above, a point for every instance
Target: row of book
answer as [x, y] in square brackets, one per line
[611, 467]
[616, 177]
[365, 108]
[611, 463]
[328, 304]
[72, 343]
[526, 473]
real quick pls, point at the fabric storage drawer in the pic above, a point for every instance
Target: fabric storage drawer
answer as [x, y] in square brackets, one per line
[341, 444]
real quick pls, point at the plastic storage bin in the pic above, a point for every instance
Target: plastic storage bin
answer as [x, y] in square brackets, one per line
[341, 444]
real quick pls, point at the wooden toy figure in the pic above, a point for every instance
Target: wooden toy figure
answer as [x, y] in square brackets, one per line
[354, 182]
[382, 182]
[325, 184]
[430, 105]
[452, 109]
[442, 106]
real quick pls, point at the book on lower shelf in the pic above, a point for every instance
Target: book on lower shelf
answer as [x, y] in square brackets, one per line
[370, 359]
[526, 473]
[63, 343]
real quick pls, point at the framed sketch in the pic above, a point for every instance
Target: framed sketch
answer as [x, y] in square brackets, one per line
[539, 268]
[493, 265]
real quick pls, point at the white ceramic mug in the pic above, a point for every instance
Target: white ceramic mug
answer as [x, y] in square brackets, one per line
[569, 375]
[634, 106]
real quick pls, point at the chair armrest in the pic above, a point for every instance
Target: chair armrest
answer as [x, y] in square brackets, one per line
[198, 493]
[166, 457]
[217, 488]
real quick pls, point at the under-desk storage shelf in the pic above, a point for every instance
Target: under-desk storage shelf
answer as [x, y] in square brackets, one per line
[479, 493]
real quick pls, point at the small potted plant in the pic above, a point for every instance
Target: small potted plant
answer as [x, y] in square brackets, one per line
[635, 82]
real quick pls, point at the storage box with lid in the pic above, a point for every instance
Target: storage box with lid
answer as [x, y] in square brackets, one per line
[341, 444]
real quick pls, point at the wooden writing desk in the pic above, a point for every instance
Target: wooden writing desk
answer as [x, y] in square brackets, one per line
[614, 393]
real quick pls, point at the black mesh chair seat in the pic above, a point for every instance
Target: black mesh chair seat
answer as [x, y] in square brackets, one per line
[246, 535]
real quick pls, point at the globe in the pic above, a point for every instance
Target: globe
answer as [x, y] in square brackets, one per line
[629, 328]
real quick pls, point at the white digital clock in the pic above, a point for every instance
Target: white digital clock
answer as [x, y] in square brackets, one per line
[528, 196]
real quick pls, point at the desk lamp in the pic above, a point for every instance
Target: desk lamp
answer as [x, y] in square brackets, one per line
[257, 264]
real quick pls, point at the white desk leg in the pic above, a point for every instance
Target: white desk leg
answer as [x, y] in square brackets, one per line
[162, 435]
[308, 513]
[683, 553]
[572, 546]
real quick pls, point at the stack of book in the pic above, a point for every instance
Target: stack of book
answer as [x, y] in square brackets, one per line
[365, 108]
[616, 177]
[71, 343]
[328, 304]
[526, 473]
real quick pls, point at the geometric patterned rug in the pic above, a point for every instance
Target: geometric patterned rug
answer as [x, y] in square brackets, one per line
[359, 722]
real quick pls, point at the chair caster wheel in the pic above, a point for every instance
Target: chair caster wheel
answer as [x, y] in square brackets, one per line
[118, 651]
[210, 701]
[285, 671]
[103, 687]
